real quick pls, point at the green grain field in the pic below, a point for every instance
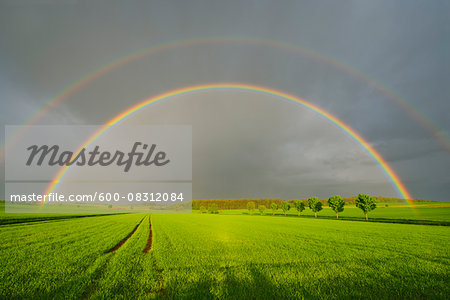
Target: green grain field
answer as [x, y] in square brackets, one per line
[231, 255]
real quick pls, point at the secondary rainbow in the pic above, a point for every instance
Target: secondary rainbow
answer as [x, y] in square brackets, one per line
[393, 177]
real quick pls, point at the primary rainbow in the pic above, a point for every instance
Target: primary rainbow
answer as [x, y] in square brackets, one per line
[265, 90]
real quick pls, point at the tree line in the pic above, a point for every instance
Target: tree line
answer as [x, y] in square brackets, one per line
[234, 203]
[364, 202]
[242, 203]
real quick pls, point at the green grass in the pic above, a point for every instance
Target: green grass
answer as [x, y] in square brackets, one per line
[259, 257]
[59, 258]
[237, 256]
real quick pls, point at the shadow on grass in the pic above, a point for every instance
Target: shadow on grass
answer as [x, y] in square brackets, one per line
[360, 219]
[32, 219]
[252, 282]
[229, 286]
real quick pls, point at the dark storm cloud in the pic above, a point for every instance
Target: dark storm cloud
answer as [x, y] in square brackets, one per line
[402, 44]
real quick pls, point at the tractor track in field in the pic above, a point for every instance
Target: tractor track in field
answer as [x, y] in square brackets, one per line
[123, 241]
[149, 247]
[160, 280]
[149, 244]
[97, 274]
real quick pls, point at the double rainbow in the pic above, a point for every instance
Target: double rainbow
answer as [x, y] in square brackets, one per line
[393, 177]
[440, 136]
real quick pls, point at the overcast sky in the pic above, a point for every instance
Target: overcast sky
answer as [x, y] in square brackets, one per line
[247, 144]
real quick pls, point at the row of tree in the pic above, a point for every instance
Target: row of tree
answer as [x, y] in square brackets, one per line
[336, 203]
[267, 202]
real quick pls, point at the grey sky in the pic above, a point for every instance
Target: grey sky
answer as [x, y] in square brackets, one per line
[249, 145]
